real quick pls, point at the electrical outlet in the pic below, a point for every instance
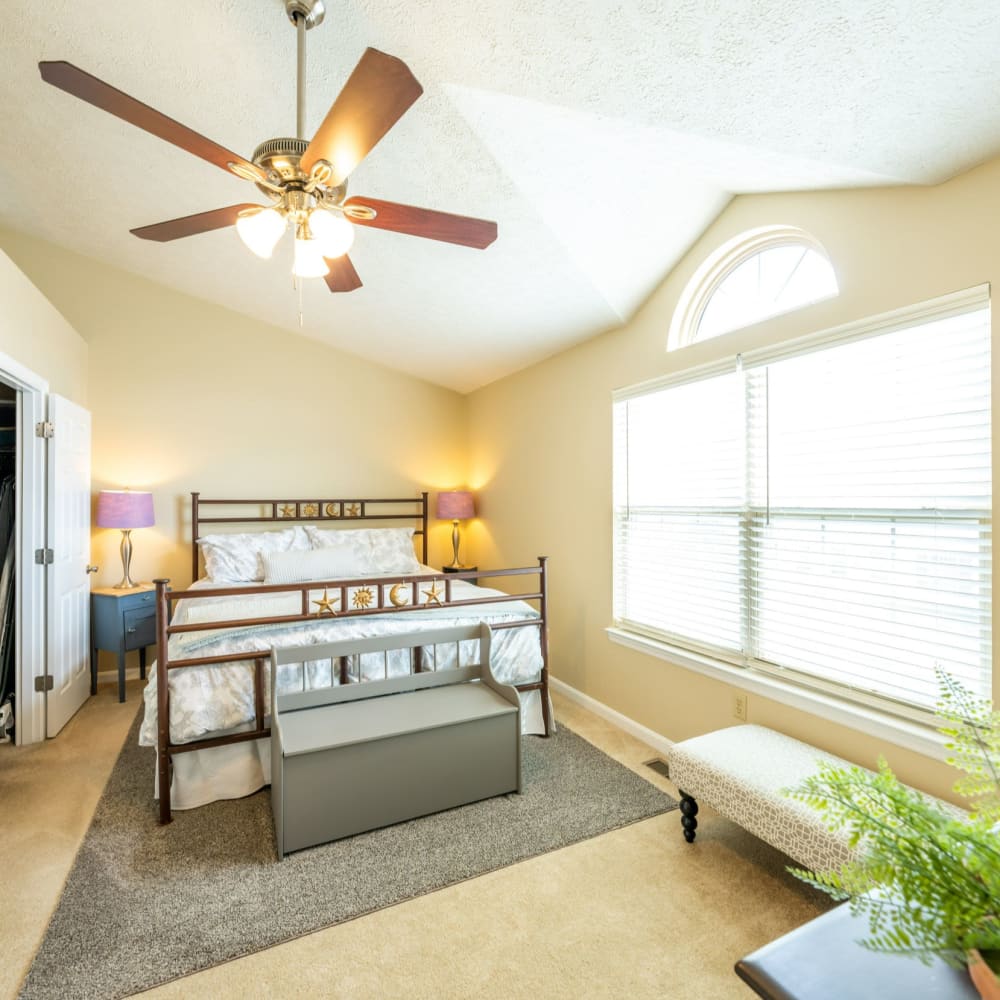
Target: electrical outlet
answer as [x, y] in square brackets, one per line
[740, 706]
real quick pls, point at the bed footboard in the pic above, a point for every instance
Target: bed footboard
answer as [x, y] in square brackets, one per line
[380, 586]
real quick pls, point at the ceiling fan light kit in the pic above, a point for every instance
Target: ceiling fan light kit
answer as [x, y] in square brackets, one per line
[333, 233]
[260, 229]
[305, 180]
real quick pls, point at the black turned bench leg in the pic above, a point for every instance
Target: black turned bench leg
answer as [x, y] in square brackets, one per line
[689, 810]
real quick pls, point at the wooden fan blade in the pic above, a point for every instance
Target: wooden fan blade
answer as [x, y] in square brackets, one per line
[191, 225]
[88, 88]
[342, 276]
[377, 94]
[443, 226]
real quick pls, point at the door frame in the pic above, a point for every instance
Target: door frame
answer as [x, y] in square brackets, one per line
[29, 529]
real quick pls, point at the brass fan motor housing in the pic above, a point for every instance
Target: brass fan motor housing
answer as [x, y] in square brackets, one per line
[280, 159]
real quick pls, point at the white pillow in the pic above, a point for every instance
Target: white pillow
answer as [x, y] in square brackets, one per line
[386, 550]
[331, 563]
[235, 558]
[351, 541]
[392, 550]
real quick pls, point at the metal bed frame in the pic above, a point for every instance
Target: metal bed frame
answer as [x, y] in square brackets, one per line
[316, 511]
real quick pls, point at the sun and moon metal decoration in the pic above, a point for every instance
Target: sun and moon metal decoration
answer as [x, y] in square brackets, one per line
[364, 597]
[326, 604]
[334, 510]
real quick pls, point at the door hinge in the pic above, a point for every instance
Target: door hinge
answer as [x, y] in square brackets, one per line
[44, 557]
[44, 683]
[45, 429]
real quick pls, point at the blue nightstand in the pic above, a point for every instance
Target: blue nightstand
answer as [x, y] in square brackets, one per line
[462, 569]
[122, 620]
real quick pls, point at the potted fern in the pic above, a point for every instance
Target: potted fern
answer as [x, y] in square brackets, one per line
[928, 875]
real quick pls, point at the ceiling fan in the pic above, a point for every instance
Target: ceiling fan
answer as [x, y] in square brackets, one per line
[306, 180]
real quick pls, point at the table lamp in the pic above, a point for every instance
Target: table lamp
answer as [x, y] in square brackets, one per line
[126, 510]
[455, 506]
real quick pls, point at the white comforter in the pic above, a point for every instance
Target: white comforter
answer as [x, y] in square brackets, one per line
[211, 699]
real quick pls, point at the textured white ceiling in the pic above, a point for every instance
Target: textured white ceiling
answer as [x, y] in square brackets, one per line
[602, 136]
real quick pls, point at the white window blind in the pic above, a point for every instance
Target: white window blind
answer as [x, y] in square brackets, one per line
[824, 514]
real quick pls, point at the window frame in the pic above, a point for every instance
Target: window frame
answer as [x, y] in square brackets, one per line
[720, 264]
[903, 725]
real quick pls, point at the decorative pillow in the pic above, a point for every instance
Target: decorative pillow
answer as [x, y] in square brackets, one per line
[386, 550]
[236, 558]
[349, 540]
[392, 550]
[328, 563]
[300, 540]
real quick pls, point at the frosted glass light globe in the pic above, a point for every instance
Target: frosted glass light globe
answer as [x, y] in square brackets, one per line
[309, 261]
[333, 233]
[261, 230]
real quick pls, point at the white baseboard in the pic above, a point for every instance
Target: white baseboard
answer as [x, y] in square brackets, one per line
[656, 740]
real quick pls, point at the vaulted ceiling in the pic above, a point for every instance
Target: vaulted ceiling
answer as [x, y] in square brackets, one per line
[602, 136]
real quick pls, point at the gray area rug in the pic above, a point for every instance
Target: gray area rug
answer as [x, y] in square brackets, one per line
[145, 904]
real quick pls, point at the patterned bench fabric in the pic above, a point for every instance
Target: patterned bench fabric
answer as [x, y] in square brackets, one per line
[741, 772]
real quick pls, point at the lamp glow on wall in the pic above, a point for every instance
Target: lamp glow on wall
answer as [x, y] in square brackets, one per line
[126, 510]
[455, 506]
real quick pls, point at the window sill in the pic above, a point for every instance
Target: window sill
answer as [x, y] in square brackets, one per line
[900, 732]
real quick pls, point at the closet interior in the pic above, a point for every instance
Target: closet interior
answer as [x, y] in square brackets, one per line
[8, 569]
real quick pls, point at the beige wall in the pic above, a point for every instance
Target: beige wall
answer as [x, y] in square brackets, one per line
[37, 336]
[189, 396]
[540, 440]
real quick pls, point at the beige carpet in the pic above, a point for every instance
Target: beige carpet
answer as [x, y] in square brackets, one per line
[636, 912]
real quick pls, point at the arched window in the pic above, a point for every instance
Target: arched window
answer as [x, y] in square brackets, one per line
[758, 274]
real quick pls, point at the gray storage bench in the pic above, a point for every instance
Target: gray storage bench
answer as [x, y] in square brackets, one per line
[359, 756]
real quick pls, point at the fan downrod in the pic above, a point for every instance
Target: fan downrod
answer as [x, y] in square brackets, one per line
[311, 11]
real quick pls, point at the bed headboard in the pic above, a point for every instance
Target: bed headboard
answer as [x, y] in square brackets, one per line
[313, 511]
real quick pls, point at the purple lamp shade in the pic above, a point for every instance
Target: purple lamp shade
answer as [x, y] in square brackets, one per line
[124, 509]
[455, 505]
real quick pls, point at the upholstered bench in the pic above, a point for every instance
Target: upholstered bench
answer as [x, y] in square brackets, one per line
[743, 772]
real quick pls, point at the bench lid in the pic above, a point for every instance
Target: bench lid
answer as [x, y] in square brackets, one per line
[323, 728]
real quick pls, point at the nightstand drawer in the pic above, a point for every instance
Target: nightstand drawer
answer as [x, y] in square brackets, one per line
[140, 627]
[145, 599]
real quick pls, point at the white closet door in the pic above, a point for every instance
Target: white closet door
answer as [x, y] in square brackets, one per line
[68, 591]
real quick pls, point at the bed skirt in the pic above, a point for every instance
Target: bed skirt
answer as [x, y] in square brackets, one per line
[239, 769]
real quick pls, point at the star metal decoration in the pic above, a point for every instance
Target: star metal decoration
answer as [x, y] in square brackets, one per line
[433, 595]
[363, 597]
[326, 604]
[354, 510]
[288, 510]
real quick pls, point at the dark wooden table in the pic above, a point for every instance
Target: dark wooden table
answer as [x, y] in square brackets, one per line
[821, 960]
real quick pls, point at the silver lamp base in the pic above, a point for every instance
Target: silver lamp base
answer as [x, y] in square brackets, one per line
[455, 564]
[127, 583]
